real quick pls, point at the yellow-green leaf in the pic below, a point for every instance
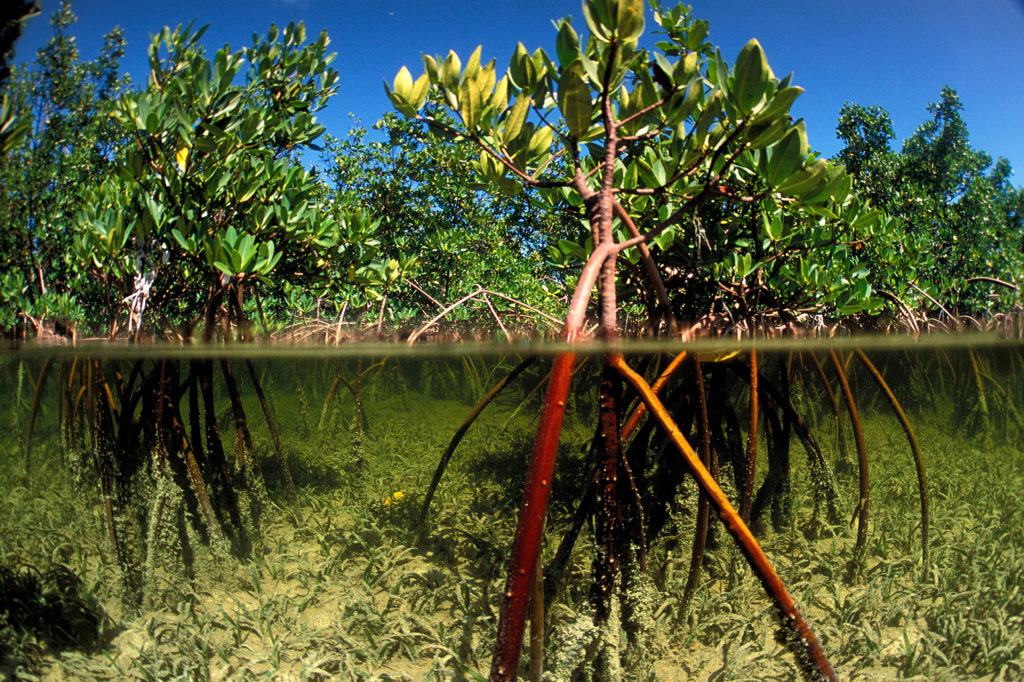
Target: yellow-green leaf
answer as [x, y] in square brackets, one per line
[450, 70]
[485, 80]
[516, 117]
[430, 67]
[520, 68]
[629, 22]
[574, 100]
[470, 102]
[500, 97]
[473, 65]
[420, 89]
[541, 140]
[403, 84]
[685, 69]
[749, 76]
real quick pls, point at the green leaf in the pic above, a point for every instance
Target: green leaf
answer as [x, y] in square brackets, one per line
[707, 117]
[430, 68]
[718, 72]
[787, 155]
[392, 97]
[473, 65]
[773, 226]
[779, 105]
[629, 22]
[696, 35]
[246, 248]
[516, 117]
[180, 238]
[590, 67]
[246, 191]
[567, 45]
[767, 134]
[690, 101]
[835, 184]
[499, 100]
[574, 100]
[485, 81]
[509, 186]
[540, 62]
[470, 102]
[520, 68]
[804, 180]
[155, 210]
[418, 94]
[659, 173]
[403, 84]
[648, 91]
[664, 240]
[450, 71]
[572, 249]
[750, 76]
[593, 23]
[541, 141]
[664, 64]
[685, 69]
[268, 260]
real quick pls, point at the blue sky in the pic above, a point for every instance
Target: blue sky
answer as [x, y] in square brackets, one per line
[895, 53]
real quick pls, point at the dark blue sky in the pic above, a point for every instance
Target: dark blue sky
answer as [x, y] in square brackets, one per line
[895, 53]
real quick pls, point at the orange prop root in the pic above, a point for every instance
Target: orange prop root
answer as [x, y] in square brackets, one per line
[748, 544]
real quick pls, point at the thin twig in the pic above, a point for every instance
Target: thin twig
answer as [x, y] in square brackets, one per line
[652, 269]
[425, 294]
[902, 308]
[993, 280]
[554, 320]
[930, 298]
[497, 319]
[419, 332]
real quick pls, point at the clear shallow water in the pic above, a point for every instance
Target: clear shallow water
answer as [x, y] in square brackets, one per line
[182, 537]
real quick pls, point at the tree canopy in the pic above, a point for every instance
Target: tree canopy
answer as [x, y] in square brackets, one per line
[672, 158]
[210, 196]
[957, 244]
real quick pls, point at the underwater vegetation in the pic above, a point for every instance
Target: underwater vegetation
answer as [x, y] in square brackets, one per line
[49, 608]
[360, 527]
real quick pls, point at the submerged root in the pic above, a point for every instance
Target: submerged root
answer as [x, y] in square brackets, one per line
[626, 643]
[167, 562]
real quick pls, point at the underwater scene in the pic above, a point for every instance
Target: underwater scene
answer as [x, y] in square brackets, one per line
[349, 513]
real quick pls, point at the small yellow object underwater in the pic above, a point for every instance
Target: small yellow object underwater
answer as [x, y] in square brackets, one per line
[394, 497]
